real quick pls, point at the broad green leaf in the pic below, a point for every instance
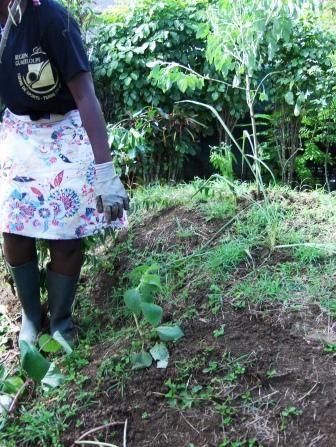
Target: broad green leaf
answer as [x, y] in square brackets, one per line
[33, 362]
[153, 280]
[202, 30]
[53, 378]
[183, 84]
[132, 298]
[147, 291]
[141, 360]
[12, 385]
[169, 333]
[152, 313]
[58, 337]
[289, 98]
[160, 354]
[137, 273]
[48, 344]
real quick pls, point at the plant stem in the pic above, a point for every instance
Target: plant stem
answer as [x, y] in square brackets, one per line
[138, 328]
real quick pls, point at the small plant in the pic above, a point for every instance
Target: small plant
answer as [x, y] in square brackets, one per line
[34, 367]
[140, 301]
[252, 442]
[179, 394]
[222, 158]
[236, 370]
[289, 413]
[330, 348]
[219, 332]
[227, 411]
[271, 372]
[215, 299]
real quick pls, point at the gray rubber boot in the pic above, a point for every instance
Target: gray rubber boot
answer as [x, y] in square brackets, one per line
[27, 283]
[61, 294]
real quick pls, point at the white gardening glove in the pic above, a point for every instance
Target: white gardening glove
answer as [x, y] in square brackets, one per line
[112, 199]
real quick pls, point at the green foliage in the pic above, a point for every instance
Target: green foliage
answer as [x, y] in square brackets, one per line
[318, 135]
[330, 348]
[125, 51]
[222, 158]
[151, 31]
[139, 301]
[300, 93]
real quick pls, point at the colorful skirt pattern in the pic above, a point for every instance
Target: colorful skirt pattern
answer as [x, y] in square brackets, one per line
[47, 175]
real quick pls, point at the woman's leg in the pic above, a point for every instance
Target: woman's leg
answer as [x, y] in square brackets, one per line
[19, 250]
[20, 254]
[66, 256]
[62, 277]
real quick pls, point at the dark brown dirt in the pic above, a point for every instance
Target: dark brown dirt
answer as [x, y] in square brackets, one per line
[285, 366]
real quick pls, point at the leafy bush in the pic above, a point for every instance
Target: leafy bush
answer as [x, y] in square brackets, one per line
[126, 46]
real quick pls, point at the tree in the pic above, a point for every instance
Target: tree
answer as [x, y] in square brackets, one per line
[245, 36]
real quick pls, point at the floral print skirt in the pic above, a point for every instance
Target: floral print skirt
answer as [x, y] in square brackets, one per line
[47, 175]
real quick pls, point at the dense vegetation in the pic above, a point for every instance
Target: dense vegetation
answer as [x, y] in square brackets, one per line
[253, 72]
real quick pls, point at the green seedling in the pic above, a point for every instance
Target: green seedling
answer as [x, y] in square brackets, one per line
[180, 396]
[288, 413]
[140, 301]
[219, 332]
[330, 348]
[227, 412]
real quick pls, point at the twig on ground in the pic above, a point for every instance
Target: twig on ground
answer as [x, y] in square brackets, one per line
[190, 425]
[100, 444]
[125, 433]
[93, 430]
[308, 393]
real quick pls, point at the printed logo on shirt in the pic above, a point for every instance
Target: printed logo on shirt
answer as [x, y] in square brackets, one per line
[37, 77]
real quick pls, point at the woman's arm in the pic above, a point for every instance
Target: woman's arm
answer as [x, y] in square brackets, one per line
[111, 195]
[82, 90]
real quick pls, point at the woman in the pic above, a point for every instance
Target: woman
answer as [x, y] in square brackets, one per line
[54, 160]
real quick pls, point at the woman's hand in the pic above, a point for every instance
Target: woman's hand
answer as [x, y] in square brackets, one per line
[112, 199]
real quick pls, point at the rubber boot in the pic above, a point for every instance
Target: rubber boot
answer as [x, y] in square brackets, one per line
[27, 282]
[61, 294]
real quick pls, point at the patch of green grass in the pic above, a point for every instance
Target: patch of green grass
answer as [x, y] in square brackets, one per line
[287, 282]
[225, 256]
[305, 254]
[219, 209]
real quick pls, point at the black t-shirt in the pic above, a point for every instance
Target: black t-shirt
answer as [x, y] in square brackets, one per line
[42, 53]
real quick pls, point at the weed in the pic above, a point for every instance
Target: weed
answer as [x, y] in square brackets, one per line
[252, 442]
[219, 210]
[180, 396]
[272, 372]
[212, 367]
[330, 348]
[114, 371]
[215, 299]
[225, 256]
[226, 411]
[289, 413]
[219, 332]
[236, 370]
